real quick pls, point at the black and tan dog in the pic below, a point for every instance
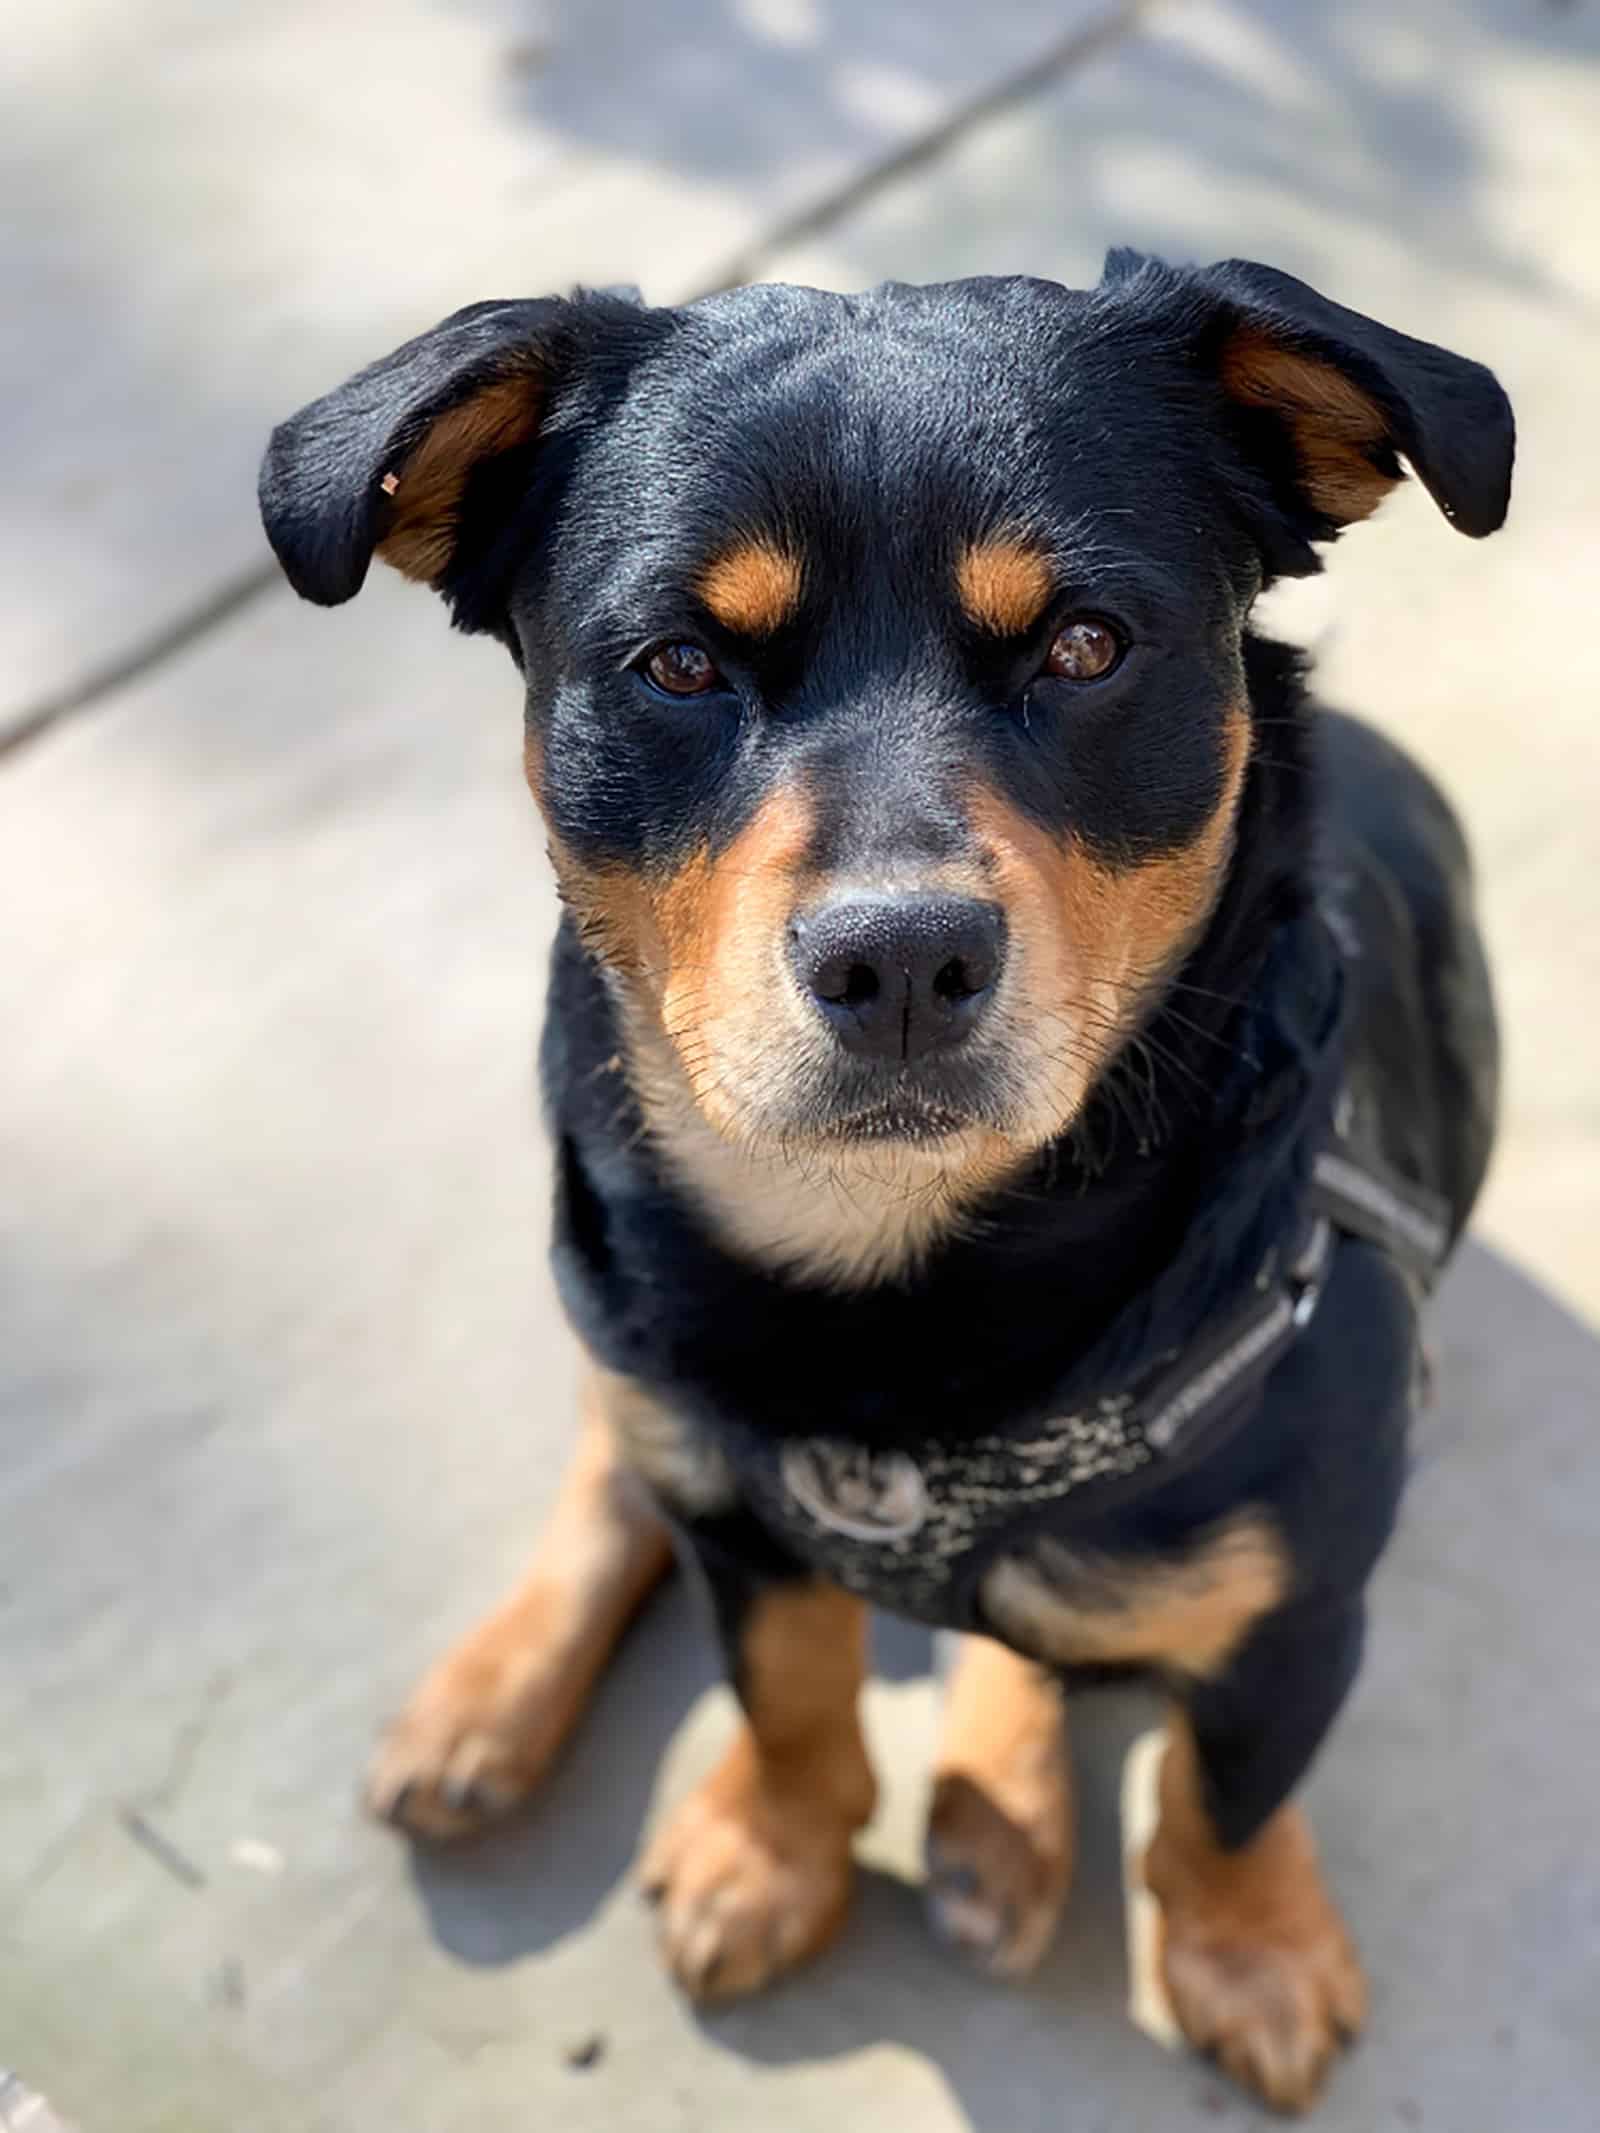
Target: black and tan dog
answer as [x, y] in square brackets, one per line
[1015, 1065]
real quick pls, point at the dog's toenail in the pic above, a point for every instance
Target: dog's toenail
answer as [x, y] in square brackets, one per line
[957, 1881]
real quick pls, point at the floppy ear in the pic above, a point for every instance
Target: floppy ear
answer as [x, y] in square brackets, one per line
[385, 463]
[1332, 400]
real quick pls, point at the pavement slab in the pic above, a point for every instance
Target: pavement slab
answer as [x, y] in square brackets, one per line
[283, 1388]
[222, 211]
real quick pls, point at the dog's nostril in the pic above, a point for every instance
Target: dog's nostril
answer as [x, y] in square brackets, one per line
[954, 981]
[846, 984]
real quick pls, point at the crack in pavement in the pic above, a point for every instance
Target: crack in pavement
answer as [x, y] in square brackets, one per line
[133, 1810]
[1076, 48]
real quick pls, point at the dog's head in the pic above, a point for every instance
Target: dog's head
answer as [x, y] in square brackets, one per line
[886, 698]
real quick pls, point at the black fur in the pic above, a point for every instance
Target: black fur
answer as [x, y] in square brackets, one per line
[877, 435]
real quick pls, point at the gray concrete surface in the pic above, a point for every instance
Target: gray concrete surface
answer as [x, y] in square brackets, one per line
[282, 1388]
[217, 210]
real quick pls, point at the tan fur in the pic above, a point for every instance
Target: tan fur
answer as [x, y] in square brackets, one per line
[483, 1726]
[716, 1028]
[1089, 941]
[426, 491]
[1189, 1614]
[1257, 1962]
[719, 1036]
[1003, 585]
[752, 1874]
[843, 1215]
[1000, 1835]
[679, 1459]
[753, 589]
[1334, 423]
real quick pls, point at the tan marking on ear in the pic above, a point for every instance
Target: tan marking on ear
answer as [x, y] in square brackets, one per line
[1189, 1614]
[753, 588]
[1000, 1837]
[1333, 422]
[1257, 1963]
[1004, 585]
[752, 1875]
[419, 535]
[482, 1728]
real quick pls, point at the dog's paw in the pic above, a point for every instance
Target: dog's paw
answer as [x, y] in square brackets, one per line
[996, 1883]
[1274, 2014]
[745, 1886]
[469, 1748]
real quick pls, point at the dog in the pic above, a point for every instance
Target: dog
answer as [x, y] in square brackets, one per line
[1016, 1065]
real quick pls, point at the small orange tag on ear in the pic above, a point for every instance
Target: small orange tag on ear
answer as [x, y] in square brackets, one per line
[389, 484]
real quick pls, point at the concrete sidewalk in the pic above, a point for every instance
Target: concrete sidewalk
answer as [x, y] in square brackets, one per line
[282, 1386]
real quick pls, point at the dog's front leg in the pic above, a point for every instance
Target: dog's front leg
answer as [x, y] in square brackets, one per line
[752, 1874]
[1257, 1961]
[482, 1726]
[1000, 1829]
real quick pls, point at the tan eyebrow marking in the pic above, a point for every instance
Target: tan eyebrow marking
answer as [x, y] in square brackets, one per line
[752, 588]
[1004, 585]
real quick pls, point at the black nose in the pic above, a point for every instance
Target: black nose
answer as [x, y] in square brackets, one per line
[898, 977]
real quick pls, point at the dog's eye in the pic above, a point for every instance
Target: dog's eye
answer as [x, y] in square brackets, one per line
[1084, 649]
[681, 670]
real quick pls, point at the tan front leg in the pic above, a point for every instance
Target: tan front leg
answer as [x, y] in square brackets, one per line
[1259, 1967]
[999, 1844]
[482, 1727]
[752, 1874]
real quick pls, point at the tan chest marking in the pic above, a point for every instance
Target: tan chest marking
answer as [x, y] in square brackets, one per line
[1189, 1614]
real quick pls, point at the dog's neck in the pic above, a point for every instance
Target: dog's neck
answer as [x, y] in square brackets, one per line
[853, 1218]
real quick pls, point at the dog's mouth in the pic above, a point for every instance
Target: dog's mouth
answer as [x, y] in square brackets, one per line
[925, 1107]
[908, 1120]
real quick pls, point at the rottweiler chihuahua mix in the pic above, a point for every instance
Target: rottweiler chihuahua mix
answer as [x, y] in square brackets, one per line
[1015, 1065]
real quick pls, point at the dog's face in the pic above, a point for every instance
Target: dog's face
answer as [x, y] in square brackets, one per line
[888, 718]
[886, 699]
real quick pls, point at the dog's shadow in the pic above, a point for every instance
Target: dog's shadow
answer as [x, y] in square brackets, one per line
[1012, 2054]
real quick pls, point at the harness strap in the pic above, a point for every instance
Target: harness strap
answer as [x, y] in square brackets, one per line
[1354, 1192]
[1367, 1199]
[1245, 1347]
[923, 1516]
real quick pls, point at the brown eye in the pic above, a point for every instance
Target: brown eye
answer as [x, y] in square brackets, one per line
[1083, 650]
[682, 670]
